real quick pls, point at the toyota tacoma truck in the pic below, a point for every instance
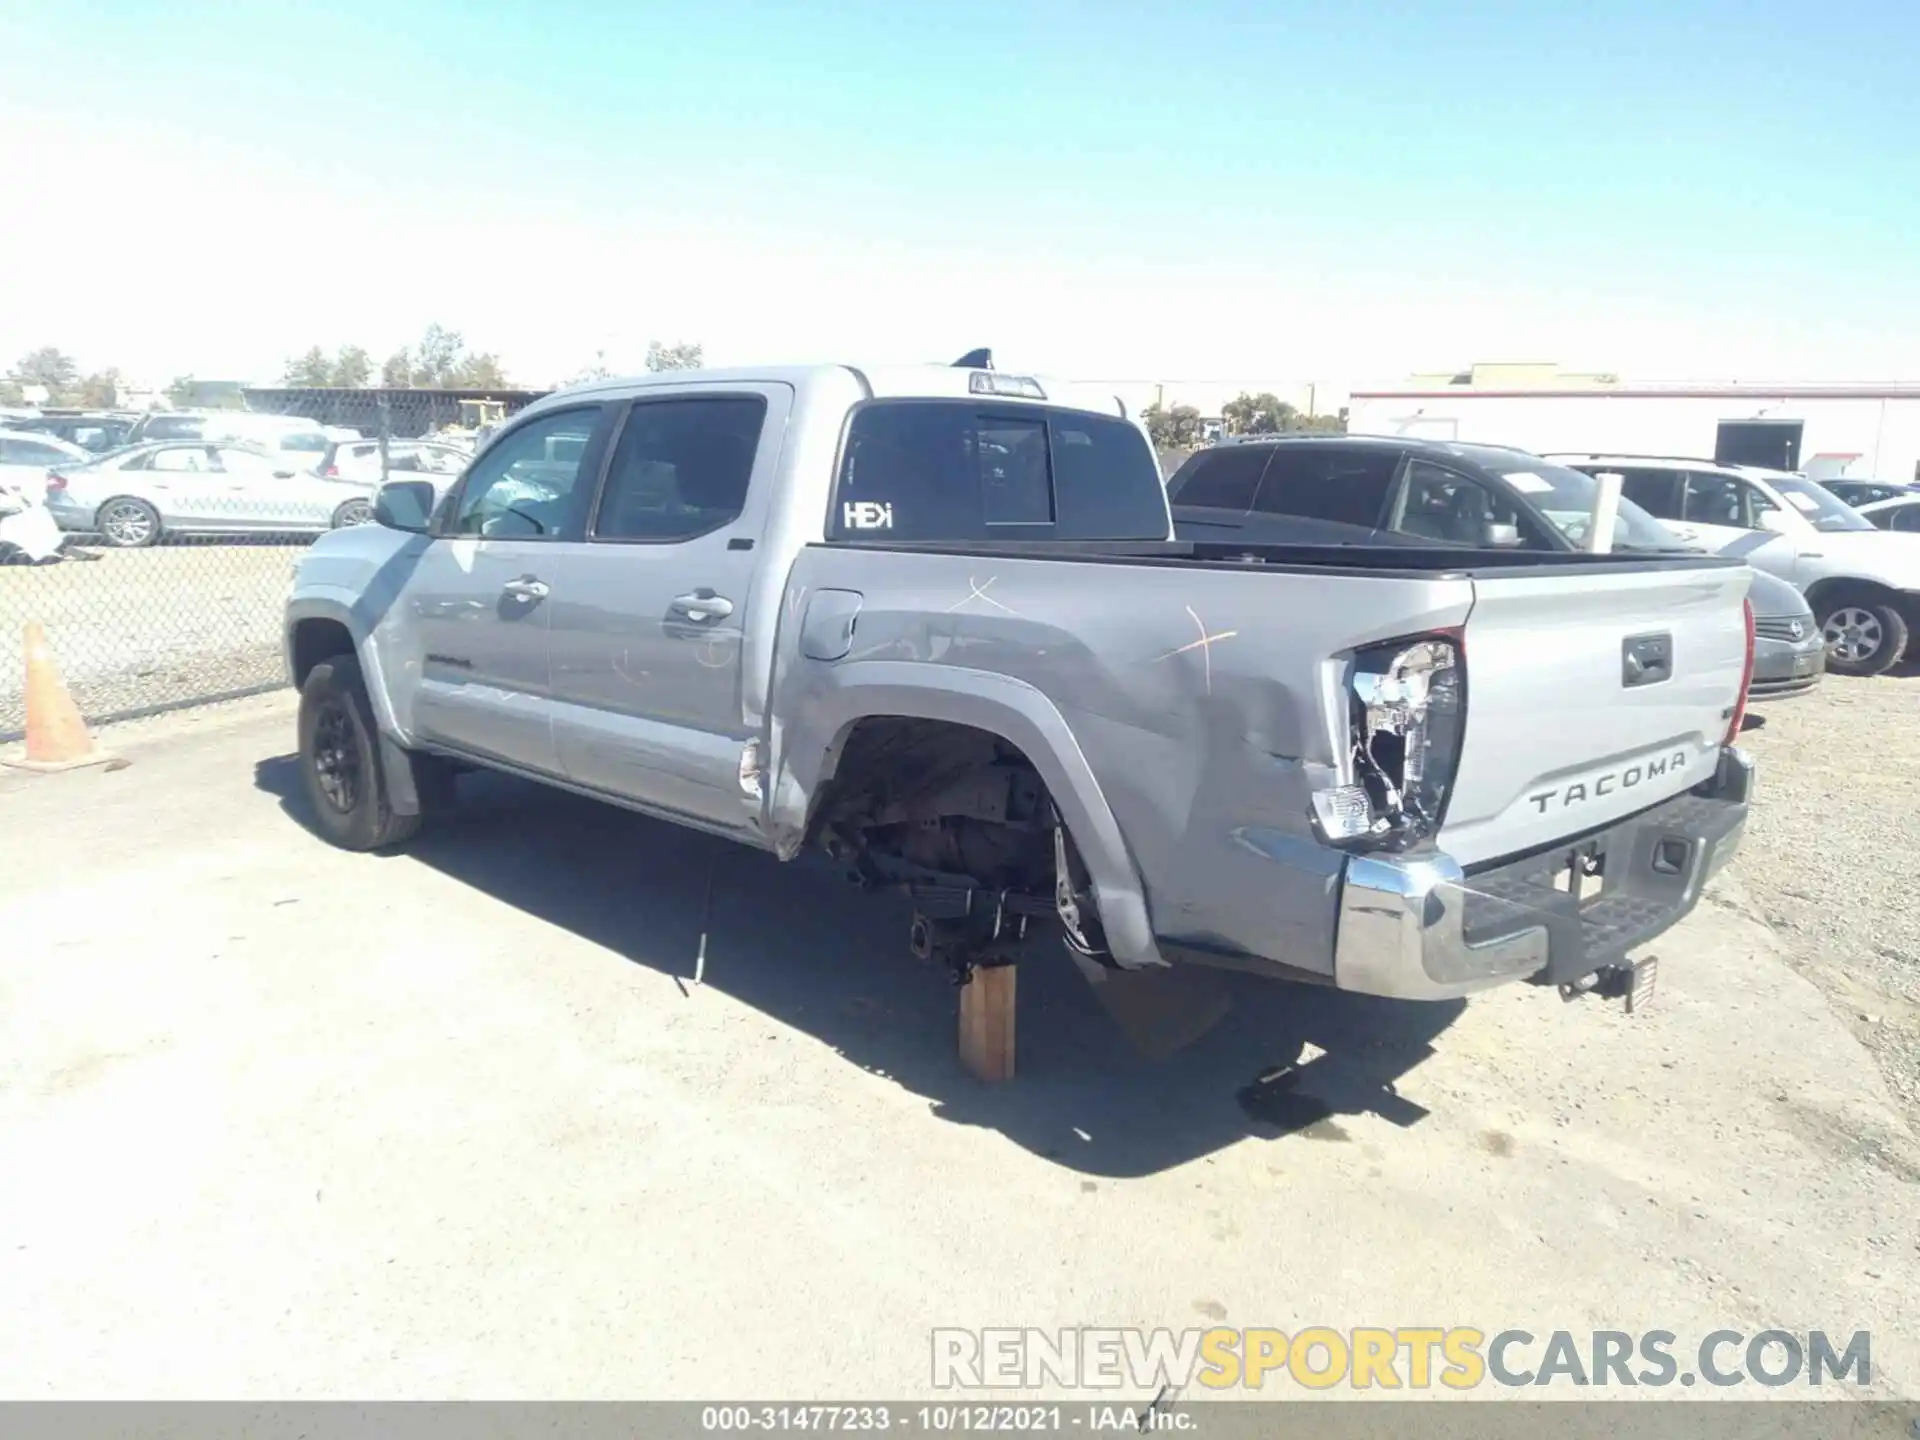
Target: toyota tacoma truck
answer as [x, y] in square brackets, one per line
[932, 621]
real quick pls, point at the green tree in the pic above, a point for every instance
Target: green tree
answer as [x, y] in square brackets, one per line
[98, 391]
[475, 372]
[1177, 428]
[681, 355]
[352, 368]
[1262, 414]
[179, 391]
[436, 356]
[307, 371]
[397, 372]
[596, 371]
[54, 369]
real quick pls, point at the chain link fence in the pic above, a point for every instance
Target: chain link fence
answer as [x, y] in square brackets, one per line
[159, 569]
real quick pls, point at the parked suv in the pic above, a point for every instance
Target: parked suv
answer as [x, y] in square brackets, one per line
[1393, 490]
[1863, 583]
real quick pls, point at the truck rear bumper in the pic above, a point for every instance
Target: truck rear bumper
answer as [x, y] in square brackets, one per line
[1419, 927]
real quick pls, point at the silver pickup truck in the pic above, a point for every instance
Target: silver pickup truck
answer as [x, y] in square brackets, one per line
[931, 619]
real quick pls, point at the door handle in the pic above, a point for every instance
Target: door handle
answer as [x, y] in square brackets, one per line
[702, 605]
[525, 588]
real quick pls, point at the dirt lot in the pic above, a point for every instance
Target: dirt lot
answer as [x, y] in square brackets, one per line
[279, 1120]
[1829, 858]
[136, 628]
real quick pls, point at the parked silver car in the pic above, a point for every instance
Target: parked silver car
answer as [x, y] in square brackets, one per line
[133, 497]
[1789, 652]
[25, 458]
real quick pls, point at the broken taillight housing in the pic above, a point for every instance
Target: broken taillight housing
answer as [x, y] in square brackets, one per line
[1406, 715]
[1738, 715]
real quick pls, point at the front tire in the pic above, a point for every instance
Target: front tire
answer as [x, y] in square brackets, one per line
[126, 523]
[340, 768]
[1864, 636]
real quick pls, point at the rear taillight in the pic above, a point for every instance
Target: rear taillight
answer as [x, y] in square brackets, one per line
[55, 482]
[332, 472]
[1746, 679]
[1406, 718]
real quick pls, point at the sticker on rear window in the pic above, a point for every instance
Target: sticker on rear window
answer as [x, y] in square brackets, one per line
[867, 515]
[1527, 483]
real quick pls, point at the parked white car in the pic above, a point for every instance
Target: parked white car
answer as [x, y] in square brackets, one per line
[25, 458]
[134, 497]
[359, 459]
[304, 440]
[1863, 583]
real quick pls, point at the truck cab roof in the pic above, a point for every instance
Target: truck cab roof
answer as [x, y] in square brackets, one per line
[878, 382]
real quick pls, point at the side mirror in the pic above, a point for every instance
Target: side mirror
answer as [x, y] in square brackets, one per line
[1773, 520]
[404, 505]
[1497, 536]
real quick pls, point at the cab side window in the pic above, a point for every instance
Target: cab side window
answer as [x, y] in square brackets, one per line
[528, 486]
[681, 468]
[1344, 487]
[1222, 479]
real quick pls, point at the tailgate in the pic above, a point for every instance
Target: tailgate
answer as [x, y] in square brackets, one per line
[1570, 725]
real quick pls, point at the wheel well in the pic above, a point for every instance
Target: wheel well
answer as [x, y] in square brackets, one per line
[317, 640]
[932, 796]
[1831, 592]
[936, 806]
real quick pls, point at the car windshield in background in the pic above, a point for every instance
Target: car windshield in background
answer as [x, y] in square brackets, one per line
[1820, 507]
[1565, 497]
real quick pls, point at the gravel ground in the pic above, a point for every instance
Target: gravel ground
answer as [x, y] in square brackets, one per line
[138, 628]
[1827, 860]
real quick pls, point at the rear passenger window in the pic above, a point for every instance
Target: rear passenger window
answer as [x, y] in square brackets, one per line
[1652, 490]
[925, 470]
[1347, 487]
[680, 469]
[1445, 508]
[1223, 479]
[1715, 500]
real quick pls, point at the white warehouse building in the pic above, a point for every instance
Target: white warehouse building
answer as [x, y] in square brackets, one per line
[1866, 431]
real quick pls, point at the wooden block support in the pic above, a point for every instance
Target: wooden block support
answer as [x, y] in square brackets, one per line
[986, 1022]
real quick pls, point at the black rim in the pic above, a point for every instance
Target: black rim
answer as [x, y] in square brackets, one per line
[336, 757]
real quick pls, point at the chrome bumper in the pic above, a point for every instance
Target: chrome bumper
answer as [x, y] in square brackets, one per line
[1422, 928]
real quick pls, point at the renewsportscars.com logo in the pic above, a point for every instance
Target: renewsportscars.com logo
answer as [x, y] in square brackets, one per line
[1459, 1357]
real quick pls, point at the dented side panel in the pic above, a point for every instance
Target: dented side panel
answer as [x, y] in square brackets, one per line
[1195, 707]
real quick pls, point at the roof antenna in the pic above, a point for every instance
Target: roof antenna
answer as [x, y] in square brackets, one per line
[981, 359]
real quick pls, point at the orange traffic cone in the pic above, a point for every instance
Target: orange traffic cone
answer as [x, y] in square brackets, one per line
[57, 737]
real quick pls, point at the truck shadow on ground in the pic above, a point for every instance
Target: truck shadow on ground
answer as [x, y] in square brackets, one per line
[802, 946]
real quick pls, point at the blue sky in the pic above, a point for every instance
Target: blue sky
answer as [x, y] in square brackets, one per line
[1314, 191]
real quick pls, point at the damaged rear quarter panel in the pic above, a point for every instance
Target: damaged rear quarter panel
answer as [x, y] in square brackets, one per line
[1196, 707]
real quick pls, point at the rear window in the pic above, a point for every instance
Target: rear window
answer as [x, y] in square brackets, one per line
[957, 470]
